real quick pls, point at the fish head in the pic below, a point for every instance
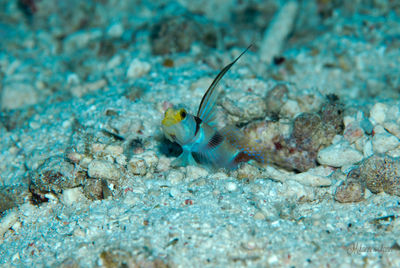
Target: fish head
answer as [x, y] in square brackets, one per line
[178, 125]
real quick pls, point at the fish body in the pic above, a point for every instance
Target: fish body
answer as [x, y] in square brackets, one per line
[201, 142]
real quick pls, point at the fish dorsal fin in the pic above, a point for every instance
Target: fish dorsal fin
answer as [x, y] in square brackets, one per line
[206, 108]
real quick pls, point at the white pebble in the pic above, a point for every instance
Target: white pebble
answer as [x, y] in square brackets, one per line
[294, 190]
[114, 150]
[379, 129]
[201, 83]
[114, 62]
[115, 30]
[353, 132]
[97, 147]
[131, 198]
[17, 95]
[174, 192]
[231, 186]
[218, 176]
[276, 174]
[120, 160]
[347, 120]
[384, 142]
[71, 196]
[95, 85]
[194, 172]
[82, 89]
[138, 68]
[392, 127]
[7, 221]
[15, 257]
[73, 79]
[80, 39]
[137, 166]
[393, 113]
[85, 162]
[101, 169]
[394, 153]
[273, 260]
[310, 179]
[247, 171]
[338, 155]
[151, 160]
[175, 176]
[290, 108]
[275, 36]
[16, 226]
[360, 143]
[367, 150]
[259, 216]
[163, 164]
[378, 112]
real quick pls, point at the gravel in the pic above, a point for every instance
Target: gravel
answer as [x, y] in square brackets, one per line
[85, 170]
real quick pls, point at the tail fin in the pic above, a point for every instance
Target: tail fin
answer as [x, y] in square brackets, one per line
[249, 150]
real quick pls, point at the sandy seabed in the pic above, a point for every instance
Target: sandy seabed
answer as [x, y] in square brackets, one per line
[85, 171]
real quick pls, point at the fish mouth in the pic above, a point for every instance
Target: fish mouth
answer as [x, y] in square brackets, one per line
[168, 121]
[171, 117]
[168, 134]
[171, 137]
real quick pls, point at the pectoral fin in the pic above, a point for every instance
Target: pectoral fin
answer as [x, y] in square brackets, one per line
[184, 159]
[249, 149]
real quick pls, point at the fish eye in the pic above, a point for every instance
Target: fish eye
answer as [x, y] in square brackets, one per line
[183, 113]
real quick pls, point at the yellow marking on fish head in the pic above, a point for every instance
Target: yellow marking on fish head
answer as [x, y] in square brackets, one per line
[173, 116]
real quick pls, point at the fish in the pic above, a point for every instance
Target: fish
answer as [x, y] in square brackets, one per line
[200, 139]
